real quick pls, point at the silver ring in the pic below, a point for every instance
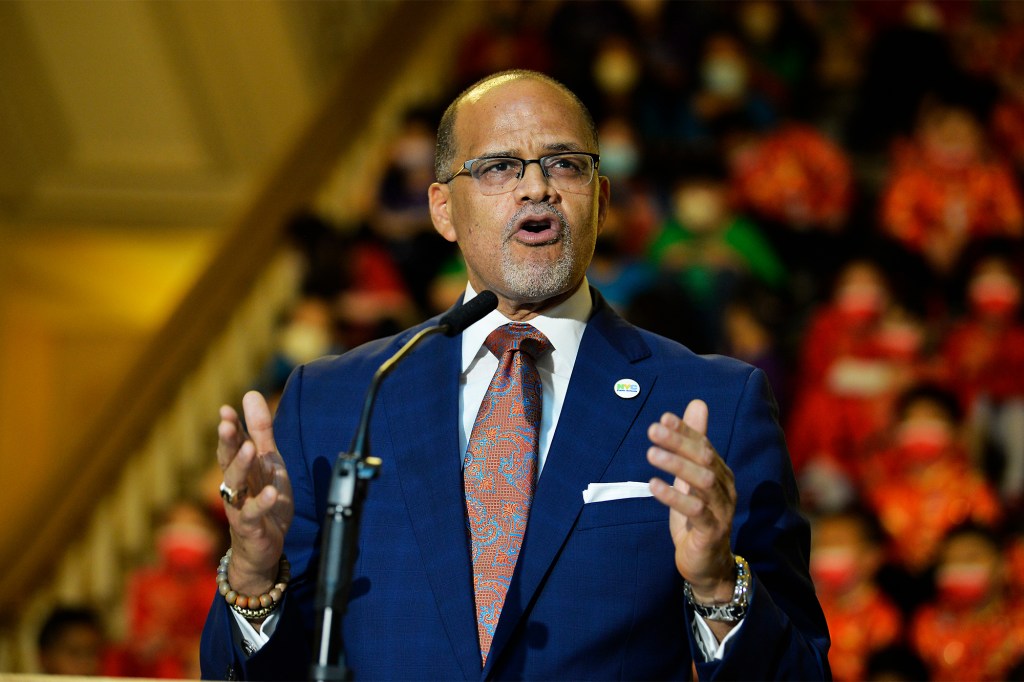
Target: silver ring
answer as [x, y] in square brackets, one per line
[230, 495]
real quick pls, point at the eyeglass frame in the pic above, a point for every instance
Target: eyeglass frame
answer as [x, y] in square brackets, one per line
[466, 166]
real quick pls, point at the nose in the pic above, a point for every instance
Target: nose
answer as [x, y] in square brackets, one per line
[534, 185]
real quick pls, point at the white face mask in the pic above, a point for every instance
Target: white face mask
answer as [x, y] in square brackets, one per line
[616, 71]
[698, 209]
[726, 77]
[301, 342]
[619, 158]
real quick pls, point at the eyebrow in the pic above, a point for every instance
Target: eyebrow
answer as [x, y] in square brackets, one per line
[553, 148]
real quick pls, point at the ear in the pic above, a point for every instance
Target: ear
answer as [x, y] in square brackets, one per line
[604, 198]
[439, 196]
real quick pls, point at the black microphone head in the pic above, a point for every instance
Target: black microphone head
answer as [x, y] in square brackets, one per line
[456, 320]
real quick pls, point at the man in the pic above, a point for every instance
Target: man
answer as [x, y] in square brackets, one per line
[605, 582]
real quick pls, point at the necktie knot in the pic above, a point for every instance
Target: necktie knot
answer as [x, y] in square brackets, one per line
[517, 336]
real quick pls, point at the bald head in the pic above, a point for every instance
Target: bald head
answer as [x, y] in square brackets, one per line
[444, 157]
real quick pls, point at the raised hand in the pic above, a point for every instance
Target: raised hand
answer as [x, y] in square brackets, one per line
[702, 501]
[261, 514]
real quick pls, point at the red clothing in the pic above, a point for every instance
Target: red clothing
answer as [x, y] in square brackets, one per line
[985, 360]
[969, 646]
[852, 641]
[834, 422]
[166, 610]
[1008, 130]
[795, 176]
[924, 202]
[917, 506]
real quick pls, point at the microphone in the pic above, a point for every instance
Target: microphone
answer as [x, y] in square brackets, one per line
[352, 473]
[457, 320]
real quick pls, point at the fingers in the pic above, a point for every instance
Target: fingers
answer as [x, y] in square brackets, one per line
[238, 453]
[259, 421]
[680, 447]
[230, 436]
[696, 416]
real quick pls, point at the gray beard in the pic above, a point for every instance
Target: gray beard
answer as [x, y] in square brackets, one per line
[534, 281]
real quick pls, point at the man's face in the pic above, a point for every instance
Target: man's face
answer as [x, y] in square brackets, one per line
[530, 246]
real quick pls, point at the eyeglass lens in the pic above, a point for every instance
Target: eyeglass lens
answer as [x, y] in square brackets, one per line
[567, 172]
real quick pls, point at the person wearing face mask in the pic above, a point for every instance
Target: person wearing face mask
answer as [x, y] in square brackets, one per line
[724, 94]
[944, 191]
[846, 552]
[708, 248]
[166, 601]
[983, 358]
[922, 482]
[971, 631]
[853, 365]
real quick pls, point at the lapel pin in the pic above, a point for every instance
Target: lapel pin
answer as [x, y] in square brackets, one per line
[627, 388]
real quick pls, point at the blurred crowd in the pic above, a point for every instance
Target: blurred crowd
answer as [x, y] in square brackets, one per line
[831, 191]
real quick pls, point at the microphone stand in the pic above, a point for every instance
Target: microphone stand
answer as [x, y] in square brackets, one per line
[353, 470]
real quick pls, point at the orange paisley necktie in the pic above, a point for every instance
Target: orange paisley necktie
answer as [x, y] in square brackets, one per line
[500, 468]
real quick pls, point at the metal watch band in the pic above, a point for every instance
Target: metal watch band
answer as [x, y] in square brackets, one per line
[732, 611]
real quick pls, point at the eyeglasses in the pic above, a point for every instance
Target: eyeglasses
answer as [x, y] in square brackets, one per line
[566, 171]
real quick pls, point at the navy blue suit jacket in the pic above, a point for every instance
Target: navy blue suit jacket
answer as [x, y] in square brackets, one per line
[596, 594]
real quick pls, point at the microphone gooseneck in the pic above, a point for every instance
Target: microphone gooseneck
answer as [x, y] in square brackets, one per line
[352, 472]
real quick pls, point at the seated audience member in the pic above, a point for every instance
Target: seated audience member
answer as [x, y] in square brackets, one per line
[795, 177]
[724, 94]
[944, 190]
[166, 601]
[972, 631]
[846, 552]
[71, 642]
[923, 484]
[709, 248]
[853, 366]
[750, 326]
[983, 356]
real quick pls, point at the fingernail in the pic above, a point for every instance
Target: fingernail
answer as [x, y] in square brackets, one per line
[657, 455]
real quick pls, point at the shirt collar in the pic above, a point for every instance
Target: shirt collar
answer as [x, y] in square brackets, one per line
[563, 324]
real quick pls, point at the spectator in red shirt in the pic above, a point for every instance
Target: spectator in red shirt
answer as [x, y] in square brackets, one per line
[846, 552]
[922, 483]
[983, 355]
[972, 631]
[944, 190]
[859, 354]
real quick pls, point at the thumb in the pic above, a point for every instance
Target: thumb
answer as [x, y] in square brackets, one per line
[259, 422]
[696, 416]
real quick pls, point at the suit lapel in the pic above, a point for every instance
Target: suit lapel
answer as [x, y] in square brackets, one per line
[592, 424]
[429, 469]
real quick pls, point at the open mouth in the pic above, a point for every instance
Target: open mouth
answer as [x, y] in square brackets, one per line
[536, 230]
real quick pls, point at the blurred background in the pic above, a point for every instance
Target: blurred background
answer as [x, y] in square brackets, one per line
[197, 196]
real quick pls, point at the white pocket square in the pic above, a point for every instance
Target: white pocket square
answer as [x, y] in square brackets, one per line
[606, 492]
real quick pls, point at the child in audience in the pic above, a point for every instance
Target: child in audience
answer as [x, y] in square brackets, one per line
[922, 484]
[846, 552]
[984, 358]
[972, 631]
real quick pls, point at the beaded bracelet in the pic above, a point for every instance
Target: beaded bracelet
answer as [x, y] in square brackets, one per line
[253, 608]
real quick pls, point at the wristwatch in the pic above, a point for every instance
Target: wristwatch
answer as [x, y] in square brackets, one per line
[729, 612]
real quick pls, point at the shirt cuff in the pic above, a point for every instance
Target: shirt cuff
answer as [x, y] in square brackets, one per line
[249, 639]
[710, 648]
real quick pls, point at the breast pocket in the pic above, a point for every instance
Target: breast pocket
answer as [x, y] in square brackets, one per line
[623, 512]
